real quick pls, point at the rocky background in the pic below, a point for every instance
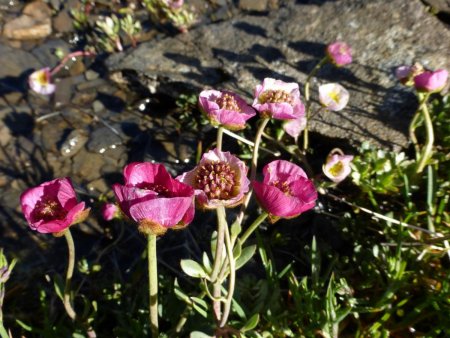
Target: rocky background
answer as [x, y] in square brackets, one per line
[113, 109]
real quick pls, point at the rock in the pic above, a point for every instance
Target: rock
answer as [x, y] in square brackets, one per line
[64, 91]
[27, 28]
[102, 139]
[16, 62]
[253, 5]
[73, 143]
[91, 75]
[288, 43]
[38, 10]
[62, 23]
[87, 165]
[97, 106]
[46, 52]
[5, 134]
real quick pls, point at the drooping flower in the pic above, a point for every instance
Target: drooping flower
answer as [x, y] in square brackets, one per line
[40, 81]
[52, 206]
[333, 96]
[406, 74]
[220, 179]
[431, 81]
[295, 127]
[153, 199]
[225, 108]
[339, 53]
[286, 191]
[110, 211]
[337, 167]
[278, 100]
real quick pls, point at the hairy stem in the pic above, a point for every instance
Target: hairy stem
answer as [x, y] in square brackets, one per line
[427, 149]
[232, 279]
[253, 168]
[153, 284]
[67, 58]
[308, 102]
[69, 273]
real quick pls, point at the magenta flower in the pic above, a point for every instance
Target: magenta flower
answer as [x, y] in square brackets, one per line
[337, 167]
[52, 207]
[220, 179]
[40, 81]
[286, 191]
[333, 96]
[110, 211]
[430, 81]
[225, 108]
[278, 99]
[405, 74]
[174, 4]
[153, 199]
[339, 53]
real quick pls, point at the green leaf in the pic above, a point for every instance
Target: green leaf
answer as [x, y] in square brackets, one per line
[193, 269]
[251, 323]
[200, 310]
[206, 263]
[180, 293]
[237, 249]
[235, 230]
[58, 284]
[246, 254]
[24, 326]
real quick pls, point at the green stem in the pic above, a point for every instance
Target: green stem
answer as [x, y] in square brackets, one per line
[308, 102]
[253, 168]
[219, 138]
[153, 284]
[232, 279]
[253, 227]
[3, 333]
[185, 314]
[427, 150]
[412, 134]
[221, 227]
[70, 267]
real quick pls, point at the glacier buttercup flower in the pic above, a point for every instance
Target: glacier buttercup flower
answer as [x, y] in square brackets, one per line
[40, 81]
[431, 81]
[337, 167]
[278, 100]
[153, 199]
[225, 108]
[339, 53]
[52, 206]
[333, 96]
[295, 127]
[220, 179]
[286, 191]
[406, 74]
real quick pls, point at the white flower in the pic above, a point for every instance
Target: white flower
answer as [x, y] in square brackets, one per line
[333, 96]
[39, 82]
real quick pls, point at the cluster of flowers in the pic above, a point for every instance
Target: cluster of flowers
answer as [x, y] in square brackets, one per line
[423, 80]
[156, 201]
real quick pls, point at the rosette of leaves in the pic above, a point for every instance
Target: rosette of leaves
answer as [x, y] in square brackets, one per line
[379, 171]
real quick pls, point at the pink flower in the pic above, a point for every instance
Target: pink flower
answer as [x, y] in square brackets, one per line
[52, 207]
[40, 81]
[225, 108]
[286, 191]
[333, 96]
[220, 179]
[339, 53]
[295, 127]
[430, 81]
[110, 211]
[152, 198]
[174, 4]
[337, 167]
[278, 99]
[405, 74]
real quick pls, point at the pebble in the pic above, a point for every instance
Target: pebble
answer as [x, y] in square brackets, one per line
[73, 143]
[102, 139]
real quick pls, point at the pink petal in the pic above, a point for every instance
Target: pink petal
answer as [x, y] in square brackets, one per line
[144, 172]
[274, 201]
[283, 171]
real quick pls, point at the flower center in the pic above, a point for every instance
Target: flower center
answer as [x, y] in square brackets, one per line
[336, 169]
[42, 78]
[217, 180]
[228, 102]
[275, 96]
[283, 186]
[48, 209]
[334, 95]
[158, 188]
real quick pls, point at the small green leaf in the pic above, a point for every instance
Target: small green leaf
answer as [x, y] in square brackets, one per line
[58, 284]
[237, 249]
[251, 323]
[24, 326]
[246, 254]
[200, 310]
[235, 230]
[192, 268]
[198, 334]
[180, 293]
[206, 263]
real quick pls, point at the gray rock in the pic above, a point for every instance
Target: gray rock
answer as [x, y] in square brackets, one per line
[253, 5]
[62, 23]
[45, 52]
[16, 61]
[102, 139]
[289, 42]
[87, 165]
[73, 143]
